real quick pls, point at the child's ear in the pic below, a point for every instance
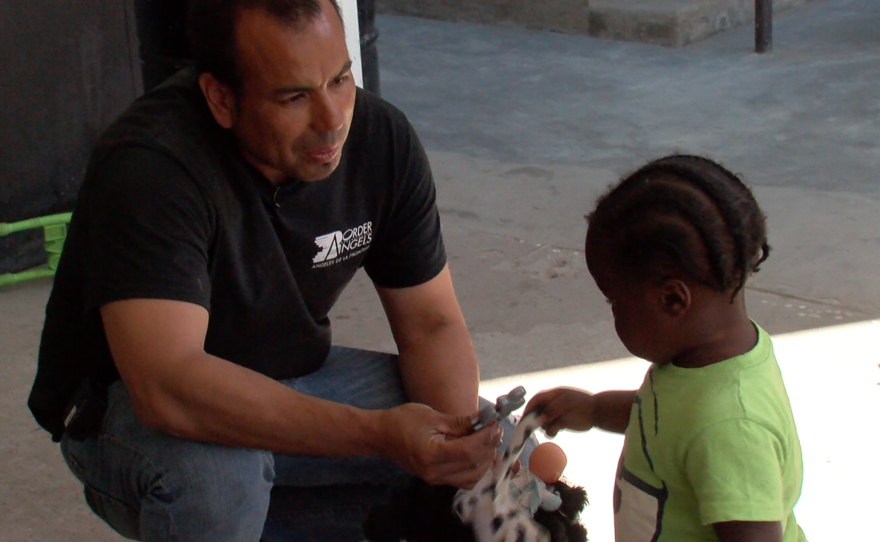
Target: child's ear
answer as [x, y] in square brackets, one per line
[675, 297]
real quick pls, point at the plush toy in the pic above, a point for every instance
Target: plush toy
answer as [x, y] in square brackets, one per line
[504, 506]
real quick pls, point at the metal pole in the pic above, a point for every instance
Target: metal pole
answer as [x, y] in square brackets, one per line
[763, 25]
[369, 53]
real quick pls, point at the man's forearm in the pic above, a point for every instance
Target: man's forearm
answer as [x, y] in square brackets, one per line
[437, 360]
[441, 371]
[213, 400]
[176, 387]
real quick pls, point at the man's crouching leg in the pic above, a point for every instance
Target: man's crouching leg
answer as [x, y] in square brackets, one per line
[151, 486]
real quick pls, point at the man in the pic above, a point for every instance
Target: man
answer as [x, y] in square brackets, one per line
[219, 220]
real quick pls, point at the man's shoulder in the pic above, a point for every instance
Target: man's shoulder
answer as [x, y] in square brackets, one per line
[373, 106]
[373, 115]
[174, 106]
[172, 119]
[381, 134]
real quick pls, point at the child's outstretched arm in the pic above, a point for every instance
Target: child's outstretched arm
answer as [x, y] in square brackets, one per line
[579, 410]
[748, 531]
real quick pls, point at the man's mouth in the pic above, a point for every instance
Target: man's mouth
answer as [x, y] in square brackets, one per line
[323, 155]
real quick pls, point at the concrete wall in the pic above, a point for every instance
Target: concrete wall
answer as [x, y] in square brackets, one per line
[68, 69]
[560, 15]
[672, 23]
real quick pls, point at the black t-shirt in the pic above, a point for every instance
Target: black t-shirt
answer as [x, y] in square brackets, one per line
[169, 211]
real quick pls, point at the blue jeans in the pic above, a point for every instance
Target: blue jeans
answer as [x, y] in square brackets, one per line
[151, 486]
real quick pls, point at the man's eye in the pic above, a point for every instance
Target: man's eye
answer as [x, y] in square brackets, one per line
[341, 79]
[294, 98]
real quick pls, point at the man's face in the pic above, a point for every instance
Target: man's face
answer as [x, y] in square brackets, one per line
[292, 114]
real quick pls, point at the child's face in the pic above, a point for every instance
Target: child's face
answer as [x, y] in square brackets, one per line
[637, 317]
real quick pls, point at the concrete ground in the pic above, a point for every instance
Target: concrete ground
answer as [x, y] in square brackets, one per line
[524, 130]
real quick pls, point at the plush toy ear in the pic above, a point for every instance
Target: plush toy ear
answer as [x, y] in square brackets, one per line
[574, 499]
[564, 524]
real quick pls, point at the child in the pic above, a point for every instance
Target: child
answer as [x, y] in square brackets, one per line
[711, 450]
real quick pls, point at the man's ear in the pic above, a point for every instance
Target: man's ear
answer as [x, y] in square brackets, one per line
[675, 297]
[220, 98]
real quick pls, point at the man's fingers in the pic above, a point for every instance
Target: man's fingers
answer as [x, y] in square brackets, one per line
[459, 426]
[462, 462]
[481, 446]
[462, 475]
[492, 436]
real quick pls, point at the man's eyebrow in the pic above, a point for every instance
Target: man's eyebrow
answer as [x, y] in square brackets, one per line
[345, 68]
[283, 91]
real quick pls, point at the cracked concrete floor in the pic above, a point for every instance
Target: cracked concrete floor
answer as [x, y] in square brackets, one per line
[524, 130]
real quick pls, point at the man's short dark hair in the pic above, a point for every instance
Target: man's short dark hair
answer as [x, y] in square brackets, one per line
[211, 29]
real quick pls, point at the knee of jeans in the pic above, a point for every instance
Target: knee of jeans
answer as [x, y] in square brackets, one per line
[225, 493]
[229, 476]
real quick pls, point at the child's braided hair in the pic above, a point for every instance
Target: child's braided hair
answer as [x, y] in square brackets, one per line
[683, 214]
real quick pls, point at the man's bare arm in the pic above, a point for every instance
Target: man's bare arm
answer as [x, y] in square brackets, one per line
[176, 387]
[437, 360]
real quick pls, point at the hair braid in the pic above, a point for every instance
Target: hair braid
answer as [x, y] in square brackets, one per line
[686, 213]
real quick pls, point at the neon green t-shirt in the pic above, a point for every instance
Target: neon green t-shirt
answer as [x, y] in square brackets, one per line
[709, 445]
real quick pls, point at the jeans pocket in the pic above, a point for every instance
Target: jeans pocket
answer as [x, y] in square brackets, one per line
[124, 519]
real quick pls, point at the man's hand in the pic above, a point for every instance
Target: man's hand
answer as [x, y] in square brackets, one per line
[579, 410]
[440, 449]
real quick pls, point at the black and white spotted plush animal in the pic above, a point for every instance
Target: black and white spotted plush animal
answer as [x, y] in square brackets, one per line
[490, 512]
[489, 508]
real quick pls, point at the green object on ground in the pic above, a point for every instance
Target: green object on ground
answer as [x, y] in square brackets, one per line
[54, 233]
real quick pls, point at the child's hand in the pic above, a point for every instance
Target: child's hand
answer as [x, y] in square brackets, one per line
[579, 410]
[564, 408]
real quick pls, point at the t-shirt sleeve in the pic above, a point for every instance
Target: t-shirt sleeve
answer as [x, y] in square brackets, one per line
[410, 251]
[148, 227]
[735, 470]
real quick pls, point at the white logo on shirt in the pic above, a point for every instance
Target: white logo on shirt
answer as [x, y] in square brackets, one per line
[339, 246]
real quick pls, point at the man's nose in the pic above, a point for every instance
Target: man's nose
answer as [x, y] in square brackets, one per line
[327, 115]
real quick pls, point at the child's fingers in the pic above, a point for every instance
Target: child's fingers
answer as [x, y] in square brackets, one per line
[537, 402]
[564, 408]
[553, 415]
[552, 429]
[544, 398]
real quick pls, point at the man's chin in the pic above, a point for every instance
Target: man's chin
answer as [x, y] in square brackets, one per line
[320, 172]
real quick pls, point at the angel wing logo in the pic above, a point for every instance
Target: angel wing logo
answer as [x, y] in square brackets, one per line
[329, 245]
